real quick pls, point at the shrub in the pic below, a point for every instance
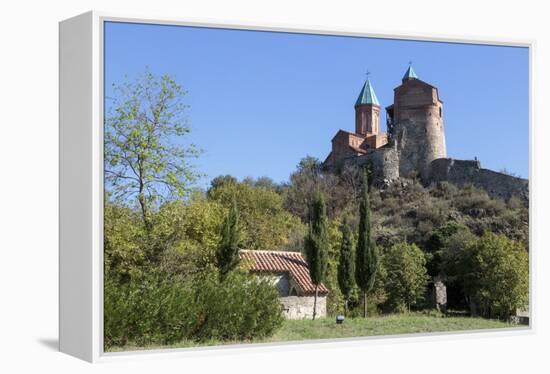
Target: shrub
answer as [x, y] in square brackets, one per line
[159, 310]
[445, 190]
[243, 307]
[424, 228]
[392, 205]
[147, 310]
[477, 203]
[515, 203]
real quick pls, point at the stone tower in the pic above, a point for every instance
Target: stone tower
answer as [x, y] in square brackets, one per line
[416, 119]
[367, 111]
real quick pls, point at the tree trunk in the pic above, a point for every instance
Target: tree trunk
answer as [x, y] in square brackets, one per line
[364, 304]
[315, 303]
[142, 199]
[144, 212]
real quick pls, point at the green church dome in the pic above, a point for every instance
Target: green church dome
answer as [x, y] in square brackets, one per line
[367, 95]
[410, 74]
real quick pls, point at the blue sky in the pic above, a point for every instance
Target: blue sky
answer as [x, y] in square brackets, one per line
[260, 101]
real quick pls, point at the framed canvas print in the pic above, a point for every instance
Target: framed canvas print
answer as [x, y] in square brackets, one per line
[230, 185]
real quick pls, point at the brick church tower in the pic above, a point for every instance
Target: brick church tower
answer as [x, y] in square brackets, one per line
[367, 111]
[367, 136]
[417, 119]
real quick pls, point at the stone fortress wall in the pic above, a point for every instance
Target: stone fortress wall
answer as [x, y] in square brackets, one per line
[462, 172]
[385, 164]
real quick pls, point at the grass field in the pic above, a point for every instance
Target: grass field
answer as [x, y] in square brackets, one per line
[326, 328]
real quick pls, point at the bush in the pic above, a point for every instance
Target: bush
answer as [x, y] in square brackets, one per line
[444, 190]
[477, 203]
[147, 310]
[406, 277]
[157, 310]
[243, 307]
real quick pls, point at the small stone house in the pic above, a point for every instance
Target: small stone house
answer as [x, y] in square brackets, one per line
[290, 273]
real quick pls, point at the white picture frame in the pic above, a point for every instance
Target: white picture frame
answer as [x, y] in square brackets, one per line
[81, 182]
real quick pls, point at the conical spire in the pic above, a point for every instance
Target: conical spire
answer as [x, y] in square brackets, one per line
[367, 95]
[410, 74]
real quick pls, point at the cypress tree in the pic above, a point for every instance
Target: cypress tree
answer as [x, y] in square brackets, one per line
[346, 268]
[227, 254]
[366, 260]
[316, 244]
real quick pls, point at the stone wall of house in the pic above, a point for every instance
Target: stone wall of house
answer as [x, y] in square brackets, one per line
[462, 172]
[301, 307]
[280, 280]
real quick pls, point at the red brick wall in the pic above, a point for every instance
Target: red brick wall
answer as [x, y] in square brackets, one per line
[367, 119]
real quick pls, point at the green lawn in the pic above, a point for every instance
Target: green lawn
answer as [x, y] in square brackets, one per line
[384, 325]
[326, 328]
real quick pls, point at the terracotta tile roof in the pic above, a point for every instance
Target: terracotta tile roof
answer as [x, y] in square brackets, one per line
[292, 263]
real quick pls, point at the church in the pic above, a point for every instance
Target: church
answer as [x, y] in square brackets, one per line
[414, 145]
[417, 111]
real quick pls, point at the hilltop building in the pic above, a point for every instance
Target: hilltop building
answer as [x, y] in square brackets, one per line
[414, 145]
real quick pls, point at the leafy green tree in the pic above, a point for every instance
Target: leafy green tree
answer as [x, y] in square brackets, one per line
[264, 182]
[444, 252]
[346, 265]
[183, 241]
[189, 231]
[227, 255]
[144, 155]
[406, 275]
[438, 246]
[497, 280]
[316, 244]
[367, 257]
[124, 254]
[221, 181]
[264, 223]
